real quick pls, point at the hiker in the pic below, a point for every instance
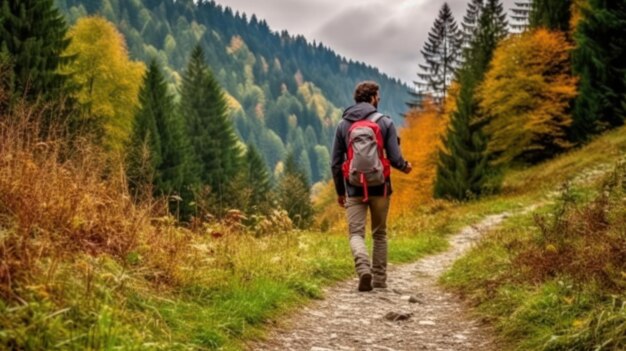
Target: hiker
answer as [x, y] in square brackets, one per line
[366, 145]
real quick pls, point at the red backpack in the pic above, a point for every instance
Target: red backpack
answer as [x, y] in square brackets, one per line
[366, 164]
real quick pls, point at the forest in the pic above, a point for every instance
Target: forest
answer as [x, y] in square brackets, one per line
[284, 93]
[165, 171]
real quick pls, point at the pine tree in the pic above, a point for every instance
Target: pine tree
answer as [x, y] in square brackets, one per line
[144, 149]
[551, 14]
[462, 171]
[600, 63]
[294, 193]
[211, 133]
[520, 15]
[159, 135]
[33, 33]
[441, 55]
[417, 98]
[258, 180]
[470, 21]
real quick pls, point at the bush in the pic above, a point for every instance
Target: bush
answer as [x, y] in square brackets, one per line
[585, 242]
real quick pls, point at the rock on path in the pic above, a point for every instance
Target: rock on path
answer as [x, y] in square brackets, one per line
[414, 313]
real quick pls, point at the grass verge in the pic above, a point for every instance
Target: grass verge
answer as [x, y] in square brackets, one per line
[554, 278]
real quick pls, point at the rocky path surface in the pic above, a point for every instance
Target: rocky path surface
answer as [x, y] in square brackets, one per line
[413, 313]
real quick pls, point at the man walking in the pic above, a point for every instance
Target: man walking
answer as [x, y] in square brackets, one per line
[366, 144]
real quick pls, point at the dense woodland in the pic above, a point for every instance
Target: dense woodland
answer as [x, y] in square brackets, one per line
[284, 92]
[157, 162]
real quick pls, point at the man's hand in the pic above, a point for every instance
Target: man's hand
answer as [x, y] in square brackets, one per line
[408, 168]
[341, 200]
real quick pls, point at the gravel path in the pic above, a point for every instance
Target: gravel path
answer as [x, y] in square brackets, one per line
[426, 317]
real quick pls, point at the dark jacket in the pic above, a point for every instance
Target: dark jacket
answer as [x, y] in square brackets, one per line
[340, 146]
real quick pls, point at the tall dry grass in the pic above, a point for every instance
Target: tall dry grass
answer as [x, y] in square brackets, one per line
[57, 199]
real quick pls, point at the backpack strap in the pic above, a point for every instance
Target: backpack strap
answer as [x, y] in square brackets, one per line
[375, 117]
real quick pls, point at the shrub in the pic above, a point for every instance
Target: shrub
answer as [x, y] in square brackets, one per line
[585, 242]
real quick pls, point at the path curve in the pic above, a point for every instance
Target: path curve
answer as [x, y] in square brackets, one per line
[349, 320]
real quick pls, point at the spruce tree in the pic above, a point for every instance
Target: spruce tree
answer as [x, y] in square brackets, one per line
[551, 14]
[294, 193]
[214, 143]
[520, 15]
[258, 181]
[441, 55]
[491, 28]
[144, 149]
[33, 34]
[462, 171]
[470, 21]
[600, 63]
[171, 147]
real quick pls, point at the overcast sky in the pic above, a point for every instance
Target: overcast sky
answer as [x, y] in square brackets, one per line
[387, 34]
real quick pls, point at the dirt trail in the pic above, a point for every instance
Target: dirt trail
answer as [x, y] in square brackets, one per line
[349, 320]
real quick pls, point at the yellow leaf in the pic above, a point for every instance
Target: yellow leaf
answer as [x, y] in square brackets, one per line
[525, 96]
[109, 81]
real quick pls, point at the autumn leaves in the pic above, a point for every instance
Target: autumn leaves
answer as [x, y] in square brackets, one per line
[517, 99]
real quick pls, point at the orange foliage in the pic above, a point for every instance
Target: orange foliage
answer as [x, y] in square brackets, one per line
[421, 140]
[526, 97]
[577, 8]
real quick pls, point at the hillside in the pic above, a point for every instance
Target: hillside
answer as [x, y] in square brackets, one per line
[286, 93]
[83, 282]
[552, 277]
[132, 215]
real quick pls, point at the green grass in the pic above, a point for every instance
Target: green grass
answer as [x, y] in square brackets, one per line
[218, 293]
[558, 312]
[227, 290]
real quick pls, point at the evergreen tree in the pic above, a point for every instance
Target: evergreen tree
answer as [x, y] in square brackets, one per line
[417, 98]
[600, 63]
[33, 33]
[211, 133]
[462, 171]
[470, 21]
[491, 29]
[258, 181]
[171, 148]
[304, 161]
[294, 193]
[144, 149]
[520, 15]
[551, 14]
[441, 55]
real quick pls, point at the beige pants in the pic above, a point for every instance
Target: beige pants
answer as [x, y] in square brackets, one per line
[356, 211]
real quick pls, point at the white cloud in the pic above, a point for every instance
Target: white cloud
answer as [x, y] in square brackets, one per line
[386, 34]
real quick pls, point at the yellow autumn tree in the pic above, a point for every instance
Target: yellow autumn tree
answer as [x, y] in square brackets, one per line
[420, 143]
[525, 97]
[108, 80]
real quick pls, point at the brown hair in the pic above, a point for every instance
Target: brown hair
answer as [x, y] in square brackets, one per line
[365, 91]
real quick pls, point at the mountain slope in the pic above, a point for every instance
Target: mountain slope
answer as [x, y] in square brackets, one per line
[286, 93]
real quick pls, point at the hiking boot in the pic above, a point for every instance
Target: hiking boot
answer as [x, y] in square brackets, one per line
[379, 285]
[365, 282]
